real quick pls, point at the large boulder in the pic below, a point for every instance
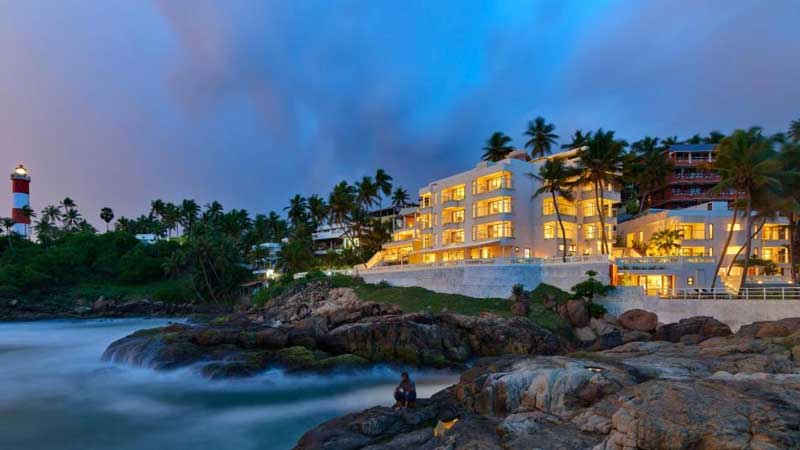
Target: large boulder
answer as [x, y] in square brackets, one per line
[705, 327]
[778, 328]
[574, 311]
[639, 320]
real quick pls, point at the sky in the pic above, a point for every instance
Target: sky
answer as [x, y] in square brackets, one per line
[119, 102]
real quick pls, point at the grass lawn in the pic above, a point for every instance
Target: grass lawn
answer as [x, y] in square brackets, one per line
[417, 299]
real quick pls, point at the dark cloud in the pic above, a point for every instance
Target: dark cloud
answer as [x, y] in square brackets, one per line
[251, 102]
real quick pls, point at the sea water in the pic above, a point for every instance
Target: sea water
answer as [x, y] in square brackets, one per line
[57, 393]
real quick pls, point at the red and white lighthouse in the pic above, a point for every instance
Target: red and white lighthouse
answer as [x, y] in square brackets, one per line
[21, 191]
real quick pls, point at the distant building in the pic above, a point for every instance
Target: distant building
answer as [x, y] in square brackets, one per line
[691, 180]
[147, 238]
[266, 257]
[20, 192]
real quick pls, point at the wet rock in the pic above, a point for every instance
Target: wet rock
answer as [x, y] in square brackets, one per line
[585, 334]
[706, 327]
[575, 312]
[639, 320]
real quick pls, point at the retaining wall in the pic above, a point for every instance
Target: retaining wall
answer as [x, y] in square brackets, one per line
[490, 280]
[734, 313]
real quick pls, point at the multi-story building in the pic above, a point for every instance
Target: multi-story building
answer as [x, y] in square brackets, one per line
[691, 180]
[703, 231]
[489, 212]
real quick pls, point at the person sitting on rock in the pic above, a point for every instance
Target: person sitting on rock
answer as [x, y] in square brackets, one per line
[406, 393]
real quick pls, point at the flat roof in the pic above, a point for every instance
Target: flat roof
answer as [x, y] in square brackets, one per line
[691, 147]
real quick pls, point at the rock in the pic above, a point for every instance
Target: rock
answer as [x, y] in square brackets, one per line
[608, 341]
[575, 312]
[704, 326]
[601, 326]
[796, 354]
[100, 303]
[521, 308]
[81, 310]
[691, 339]
[585, 334]
[633, 335]
[639, 320]
[778, 328]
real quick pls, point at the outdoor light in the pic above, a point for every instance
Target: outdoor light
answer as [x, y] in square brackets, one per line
[21, 170]
[594, 369]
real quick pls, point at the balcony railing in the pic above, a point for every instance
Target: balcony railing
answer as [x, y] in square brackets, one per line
[452, 197]
[450, 239]
[483, 235]
[665, 260]
[480, 188]
[488, 261]
[695, 161]
[710, 178]
[486, 211]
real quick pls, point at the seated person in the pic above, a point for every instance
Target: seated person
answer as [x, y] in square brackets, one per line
[406, 392]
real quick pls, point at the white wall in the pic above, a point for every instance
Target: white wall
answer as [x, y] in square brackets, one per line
[734, 313]
[491, 280]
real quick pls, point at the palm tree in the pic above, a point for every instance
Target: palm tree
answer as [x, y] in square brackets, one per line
[646, 145]
[794, 130]
[213, 211]
[189, 212]
[497, 147]
[8, 224]
[170, 217]
[541, 137]
[383, 183]
[790, 207]
[317, 210]
[555, 177]
[747, 162]
[68, 203]
[51, 214]
[714, 137]
[600, 165]
[341, 202]
[71, 219]
[666, 242]
[672, 140]
[367, 192]
[651, 170]
[107, 215]
[400, 198]
[296, 211]
[578, 140]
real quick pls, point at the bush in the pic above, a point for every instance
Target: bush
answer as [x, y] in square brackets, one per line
[173, 293]
[596, 310]
[517, 291]
[591, 287]
[268, 293]
[383, 284]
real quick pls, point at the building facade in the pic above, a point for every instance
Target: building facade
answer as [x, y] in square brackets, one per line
[490, 212]
[703, 230]
[691, 180]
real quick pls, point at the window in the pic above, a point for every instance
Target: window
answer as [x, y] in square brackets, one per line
[589, 209]
[527, 252]
[591, 231]
[428, 258]
[690, 281]
[710, 251]
[427, 240]
[710, 229]
[549, 231]
[736, 227]
[454, 256]
[453, 237]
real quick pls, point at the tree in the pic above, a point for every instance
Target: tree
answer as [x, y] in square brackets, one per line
[747, 163]
[294, 256]
[646, 146]
[672, 140]
[317, 210]
[541, 137]
[189, 213]
[400, 198]
[107, 215]
[666, 242]
[367, 192]
[600, 165]
[71, 219]
[51, 214]
[383, 184]
[68, 203]
[497, 147]
[578, 140]
[714, 137]
[8, 224]
[555, 177]
[296, 211]
[790, 207]
[794, 130]
[650, 172]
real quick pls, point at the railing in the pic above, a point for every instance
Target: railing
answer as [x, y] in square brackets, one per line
[564, 210]
[454, 239]
[765, 293]
[489, 261]
[486, 211]
[452, 220]
[452, 197]
[665, 260]
[691, 161]
[486, 235]
[480, 188]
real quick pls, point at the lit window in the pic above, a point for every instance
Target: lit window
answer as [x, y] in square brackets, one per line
[549, 231]
[690, 281]
[710, 231]
[527, 253]
[736, 227]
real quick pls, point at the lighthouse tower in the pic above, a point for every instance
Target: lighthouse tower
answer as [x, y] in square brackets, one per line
[20, 190]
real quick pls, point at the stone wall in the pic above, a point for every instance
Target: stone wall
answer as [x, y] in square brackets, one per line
[734, 313]
[491, 280]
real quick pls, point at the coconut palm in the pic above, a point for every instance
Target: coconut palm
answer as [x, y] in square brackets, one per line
[747, 163]
[541, 137]
[8, 224]
[383, 183]
[794, 130]
[107, 215]
[189, 212]
[497, 147]
[297, 211]
[400, 198]
[578, 139]
[790, 207]
[71, 219]
[600, 165]
[672, 140]
[51, 214]
[650, 172]
[555, 177]
[666, 242]
[714, 137]
[341, 202]
[367, 192]
[646, 145]
[317, 210]
[68, 203]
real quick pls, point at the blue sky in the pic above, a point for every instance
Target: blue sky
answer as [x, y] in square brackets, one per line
[115, 103]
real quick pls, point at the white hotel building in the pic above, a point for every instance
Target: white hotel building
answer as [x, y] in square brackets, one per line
[489, 214]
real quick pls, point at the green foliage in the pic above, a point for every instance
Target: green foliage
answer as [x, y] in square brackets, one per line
[383, 284]
[517, 291]
[547, 291]
[596, 310]
[591, 287]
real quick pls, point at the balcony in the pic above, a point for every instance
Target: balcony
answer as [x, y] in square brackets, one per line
[694, 179]
[452, 239]
[490, 211]
[453, 223]
[493, 185]
[692, 162]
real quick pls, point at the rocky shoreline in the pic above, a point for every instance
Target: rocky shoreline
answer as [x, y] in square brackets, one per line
[15, 310]
[622, 383]
[734, 392]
